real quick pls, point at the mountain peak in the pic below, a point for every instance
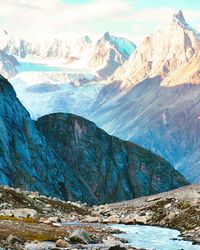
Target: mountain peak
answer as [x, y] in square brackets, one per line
[84, 39]
[87, 39]
[179, 17]
[3, 31]
[107, 36]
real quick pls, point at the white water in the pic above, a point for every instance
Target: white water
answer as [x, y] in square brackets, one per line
[154, 238]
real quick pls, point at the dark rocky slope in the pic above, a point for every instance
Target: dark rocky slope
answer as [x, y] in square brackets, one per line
[25, 158]
[76, 160]
[112, 169]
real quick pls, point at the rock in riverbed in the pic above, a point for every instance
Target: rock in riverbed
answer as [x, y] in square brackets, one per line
[62, 243]
[79, 236]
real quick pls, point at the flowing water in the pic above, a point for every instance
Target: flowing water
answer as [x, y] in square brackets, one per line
[154, 238]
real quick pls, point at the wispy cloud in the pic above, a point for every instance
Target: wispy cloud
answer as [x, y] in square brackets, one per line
[41, 18]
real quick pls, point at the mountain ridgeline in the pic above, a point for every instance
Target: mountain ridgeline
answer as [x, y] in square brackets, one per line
[153, 98]
[150, 95]
[69, 157]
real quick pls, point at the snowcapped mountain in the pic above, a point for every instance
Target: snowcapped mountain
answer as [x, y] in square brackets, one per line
[154, 97]
[8, 64]
[103, 56]
[67, 76]
[151, 99]
[161, 53]
[109, 53]
[56, 48]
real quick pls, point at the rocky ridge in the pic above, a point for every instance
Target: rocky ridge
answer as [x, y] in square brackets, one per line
[103, 56]
[153, 98]
[161, 53]
[109, 53]
[120, 170]
[25, 153]
[113, 169]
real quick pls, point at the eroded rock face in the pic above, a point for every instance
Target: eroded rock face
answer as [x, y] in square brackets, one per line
[76, 160]
[161, 53]
[26, 159]
[113, 169]
[154, 97]
[8, 64]
[109, 53]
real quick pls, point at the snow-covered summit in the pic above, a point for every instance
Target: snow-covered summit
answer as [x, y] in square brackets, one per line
[161, 53]
[179, 19]
[109, 53]
[103, 56]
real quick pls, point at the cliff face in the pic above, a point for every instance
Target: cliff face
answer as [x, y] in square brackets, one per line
[112, 169]
[8, 64]
[71, 158]
[25, 158]
[154, 100]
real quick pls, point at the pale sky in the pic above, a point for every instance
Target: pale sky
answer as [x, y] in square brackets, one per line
[133, 19]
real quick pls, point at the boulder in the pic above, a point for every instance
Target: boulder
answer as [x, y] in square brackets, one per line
[117, 247]
[79, 236]
[171, 216]
[112, 219]
[135, 219]
[11, 239]
[57, 224]
[40, 246]
[91, 219]
[110, 243]
[129, 219]
[62, 243]
[19, 213]
[54, 219]
[154, 198]
[141, 219]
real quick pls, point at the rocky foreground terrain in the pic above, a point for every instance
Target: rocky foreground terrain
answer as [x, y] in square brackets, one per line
[31, 221]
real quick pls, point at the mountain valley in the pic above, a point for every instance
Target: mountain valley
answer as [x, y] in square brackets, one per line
[147, 100]
[99, 137]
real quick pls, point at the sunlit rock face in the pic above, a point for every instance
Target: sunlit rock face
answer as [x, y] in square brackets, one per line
[109, 53]
[153, 99]
[161, 53]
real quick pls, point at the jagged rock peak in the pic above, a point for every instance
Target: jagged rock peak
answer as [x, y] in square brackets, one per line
[106, 36]
[85, 39]
[3, 31]
[179, 18]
